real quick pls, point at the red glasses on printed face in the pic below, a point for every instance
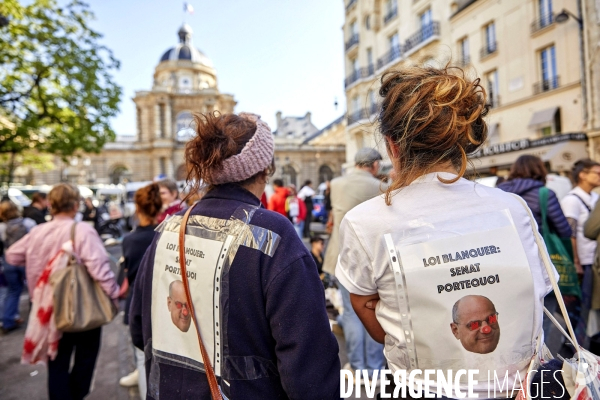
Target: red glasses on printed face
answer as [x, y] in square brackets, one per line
[491, 320]
[179, 305]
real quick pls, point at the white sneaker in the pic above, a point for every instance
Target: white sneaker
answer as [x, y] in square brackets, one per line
[130, 380]
[348, 367]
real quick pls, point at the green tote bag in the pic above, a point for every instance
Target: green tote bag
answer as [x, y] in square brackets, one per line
[561, 252]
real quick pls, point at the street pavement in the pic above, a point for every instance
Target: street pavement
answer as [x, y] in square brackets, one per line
[20, 382]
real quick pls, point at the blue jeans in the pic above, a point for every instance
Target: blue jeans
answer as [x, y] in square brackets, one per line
[15, 276]
[299, 227]
[363, 351]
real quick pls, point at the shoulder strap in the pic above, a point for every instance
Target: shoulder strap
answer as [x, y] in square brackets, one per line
[210, 373]
[73, 235]
[544, 208]
[550, 272]
[583, 202]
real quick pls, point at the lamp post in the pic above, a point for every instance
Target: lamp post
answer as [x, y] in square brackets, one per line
[561, 18]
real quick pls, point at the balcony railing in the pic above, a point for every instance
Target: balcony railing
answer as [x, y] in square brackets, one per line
[352, 41]
[546, 85]
[464, 61]
[494, 101]
[358, 74]
[489, 48]
[363, 113]
[542, 21]
[350, 4]
[393, 54]
[422, 35]
[393, 13]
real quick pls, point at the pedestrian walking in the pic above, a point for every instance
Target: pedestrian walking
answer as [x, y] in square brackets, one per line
[278, 198]
[38, 209]
[296, 211]
[577, 206]
[148, 204]
[306, 194]
[221, 302]
[527, 179]
[35, 250]
[169, 193]
[15, 228]
[347, 192]
[90, 214]
[527, 176]
[429, 316]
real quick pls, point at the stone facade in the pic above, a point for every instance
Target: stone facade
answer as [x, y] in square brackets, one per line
[302, 151]
[528, 62]
[185, 83]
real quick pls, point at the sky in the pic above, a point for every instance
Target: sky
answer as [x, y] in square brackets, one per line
[272, 55]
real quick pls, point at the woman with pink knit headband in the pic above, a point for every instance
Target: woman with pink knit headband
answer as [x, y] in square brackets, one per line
[245, 287]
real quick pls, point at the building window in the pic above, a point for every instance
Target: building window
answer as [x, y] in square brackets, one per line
[426, 24]
[464, 51]
[354, 29]
[548, 69]
[372, 100]
[493, 88]
[370, 61]
[391, 10]
[368, 22]
[355, 104]
[490, 38]
[394, 41]
[547, 131]
[545, 10]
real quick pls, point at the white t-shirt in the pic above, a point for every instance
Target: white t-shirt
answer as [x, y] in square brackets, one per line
[364, 268]
[305, 192]
[574, 208]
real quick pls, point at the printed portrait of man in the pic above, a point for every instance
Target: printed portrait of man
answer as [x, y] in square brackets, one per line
[475, 324]
[178, 307]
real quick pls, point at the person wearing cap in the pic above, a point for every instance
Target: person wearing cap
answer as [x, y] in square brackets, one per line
[261, 310]
[356, 187]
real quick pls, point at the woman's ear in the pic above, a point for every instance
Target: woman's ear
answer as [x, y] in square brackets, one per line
[391, 146]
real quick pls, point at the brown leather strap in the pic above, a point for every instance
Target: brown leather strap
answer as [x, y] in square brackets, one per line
[210, 373]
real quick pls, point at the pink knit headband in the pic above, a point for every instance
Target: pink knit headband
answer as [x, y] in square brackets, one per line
[256, 155]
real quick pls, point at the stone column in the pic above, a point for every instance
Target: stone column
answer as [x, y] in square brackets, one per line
[168, 124]
[157, 120]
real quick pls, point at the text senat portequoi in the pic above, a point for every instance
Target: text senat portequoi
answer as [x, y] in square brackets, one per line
[431, 383]
[469, 267]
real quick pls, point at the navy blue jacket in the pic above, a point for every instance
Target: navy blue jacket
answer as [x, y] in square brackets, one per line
[529, 190]
[276, 317]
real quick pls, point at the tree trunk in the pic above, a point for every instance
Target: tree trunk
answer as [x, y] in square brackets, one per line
[11, 167]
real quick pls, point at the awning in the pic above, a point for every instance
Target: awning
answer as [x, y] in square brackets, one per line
[543, 118]
[561, 151]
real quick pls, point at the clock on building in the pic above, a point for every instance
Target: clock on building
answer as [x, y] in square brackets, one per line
[184, 126]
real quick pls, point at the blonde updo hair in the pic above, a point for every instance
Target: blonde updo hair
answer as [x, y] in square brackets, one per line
[433, 116]
[63, 198]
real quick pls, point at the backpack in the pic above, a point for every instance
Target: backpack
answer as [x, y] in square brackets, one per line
[15, 230]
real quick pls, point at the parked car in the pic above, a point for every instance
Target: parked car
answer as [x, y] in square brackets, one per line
[319, 212]
[16, 196]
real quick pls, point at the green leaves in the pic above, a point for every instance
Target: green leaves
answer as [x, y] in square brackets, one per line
[56, 84]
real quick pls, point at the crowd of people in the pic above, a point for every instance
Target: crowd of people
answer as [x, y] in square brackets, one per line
[224, 299]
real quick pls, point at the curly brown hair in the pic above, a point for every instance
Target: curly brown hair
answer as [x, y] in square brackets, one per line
[148, 201]
[432, 116]
[219, 136]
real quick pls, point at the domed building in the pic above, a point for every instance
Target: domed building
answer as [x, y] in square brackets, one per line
[185, 82]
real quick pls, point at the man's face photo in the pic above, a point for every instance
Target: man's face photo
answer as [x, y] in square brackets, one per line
[476, 324]
[178, 307]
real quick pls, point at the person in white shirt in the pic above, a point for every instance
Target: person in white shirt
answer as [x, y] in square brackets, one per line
[577, 206]
[434, 239]
[305, 194]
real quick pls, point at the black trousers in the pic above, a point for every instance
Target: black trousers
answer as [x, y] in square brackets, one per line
[74, 384]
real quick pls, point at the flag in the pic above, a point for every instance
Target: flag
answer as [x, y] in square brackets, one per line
[187, 7]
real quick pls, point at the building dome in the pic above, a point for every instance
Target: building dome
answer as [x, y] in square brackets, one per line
[185, 50]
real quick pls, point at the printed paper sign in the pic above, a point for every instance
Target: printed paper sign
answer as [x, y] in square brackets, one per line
[471, 301]
[174, 333]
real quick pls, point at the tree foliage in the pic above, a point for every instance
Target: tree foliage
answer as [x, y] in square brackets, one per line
[56, 85]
